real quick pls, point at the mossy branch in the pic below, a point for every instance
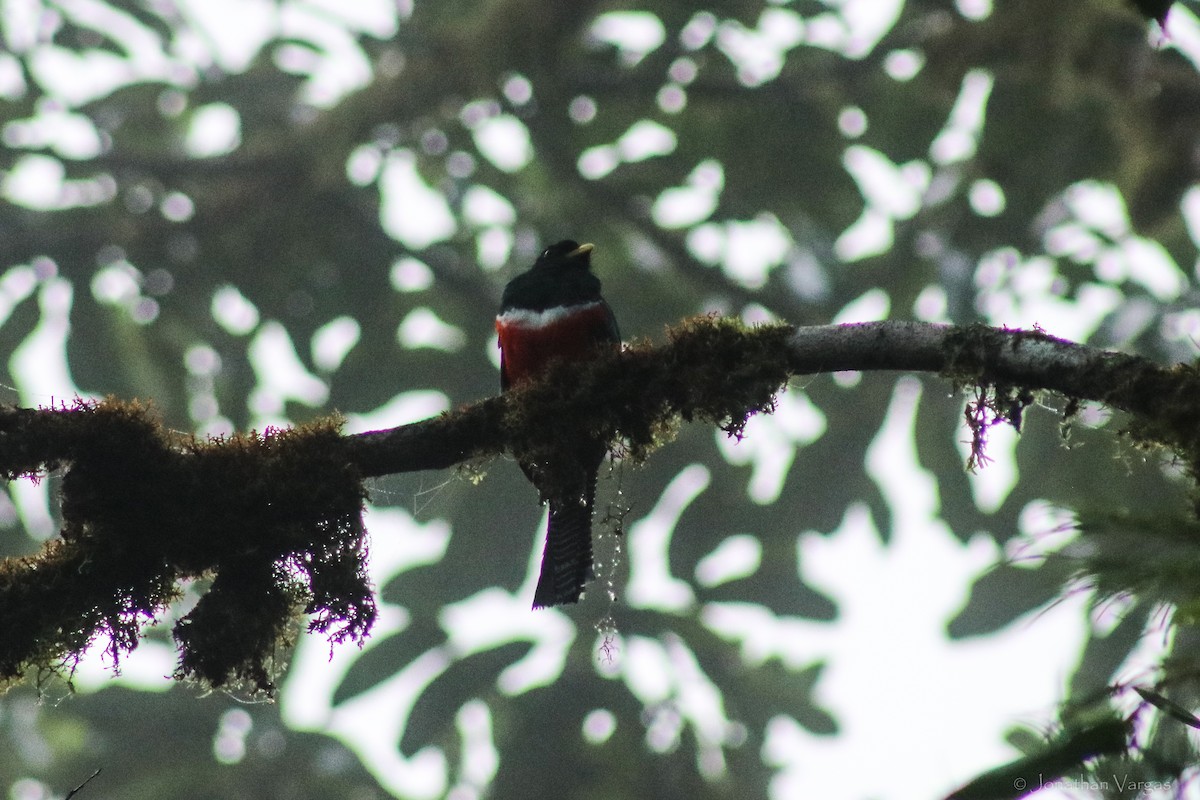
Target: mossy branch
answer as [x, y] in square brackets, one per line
[275, 519]
[717, 370]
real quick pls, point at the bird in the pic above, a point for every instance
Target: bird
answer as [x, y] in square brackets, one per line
[554, 312]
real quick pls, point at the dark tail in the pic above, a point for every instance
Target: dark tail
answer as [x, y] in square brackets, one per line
[567, 560]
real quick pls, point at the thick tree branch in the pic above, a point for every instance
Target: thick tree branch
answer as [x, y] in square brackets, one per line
[1016, 359]
[275, 519]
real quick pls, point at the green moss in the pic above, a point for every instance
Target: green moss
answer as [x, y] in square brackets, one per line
[275, 518]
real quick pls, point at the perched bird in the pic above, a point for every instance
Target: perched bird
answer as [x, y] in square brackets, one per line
[554, 312]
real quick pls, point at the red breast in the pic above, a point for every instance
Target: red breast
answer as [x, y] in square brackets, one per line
[531, 340]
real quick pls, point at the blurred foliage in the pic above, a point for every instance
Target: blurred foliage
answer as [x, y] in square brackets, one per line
[791, 160]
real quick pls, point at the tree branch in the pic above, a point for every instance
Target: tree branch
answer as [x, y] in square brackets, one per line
[650, 378]
[275, 519]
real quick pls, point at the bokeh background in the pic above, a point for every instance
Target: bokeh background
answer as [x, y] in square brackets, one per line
[257, 212]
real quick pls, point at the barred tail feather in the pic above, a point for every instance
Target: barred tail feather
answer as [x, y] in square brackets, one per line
[567, 560]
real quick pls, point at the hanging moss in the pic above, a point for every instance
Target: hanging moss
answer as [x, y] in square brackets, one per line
[712, 369]
[274, 518]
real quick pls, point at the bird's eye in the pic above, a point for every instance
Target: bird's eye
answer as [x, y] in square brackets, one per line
[546, 253]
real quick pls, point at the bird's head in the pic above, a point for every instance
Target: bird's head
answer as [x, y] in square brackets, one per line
[567, 253]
